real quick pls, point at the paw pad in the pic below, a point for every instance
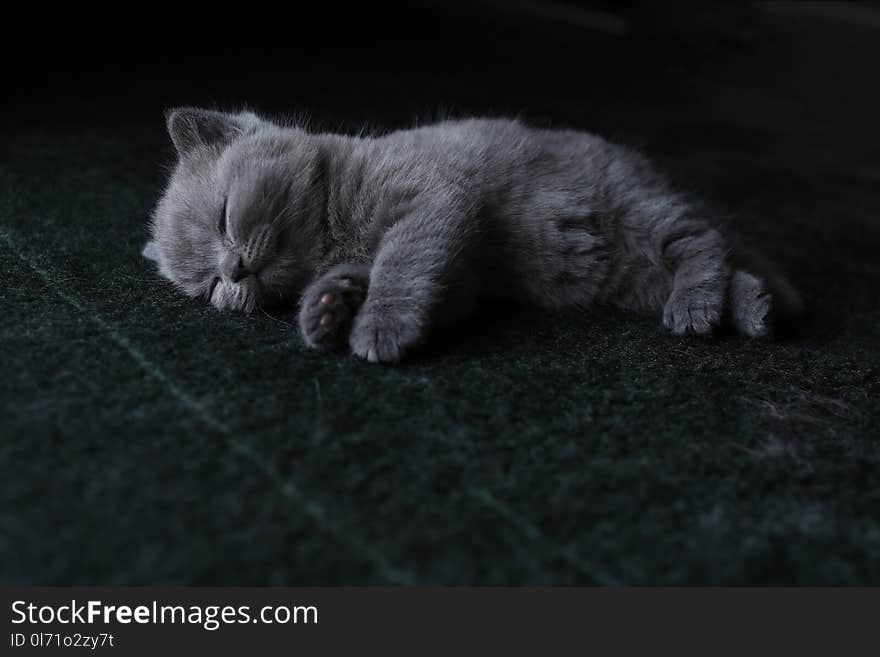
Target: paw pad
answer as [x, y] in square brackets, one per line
[327, 309]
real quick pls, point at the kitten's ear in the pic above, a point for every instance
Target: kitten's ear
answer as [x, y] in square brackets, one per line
[151, 251]
[190, 127]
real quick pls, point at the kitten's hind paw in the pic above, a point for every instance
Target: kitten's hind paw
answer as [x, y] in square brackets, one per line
[692, 312]
[751, 305]
[328, 306]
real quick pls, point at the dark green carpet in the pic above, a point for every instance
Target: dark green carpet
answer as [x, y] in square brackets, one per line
[149, 439]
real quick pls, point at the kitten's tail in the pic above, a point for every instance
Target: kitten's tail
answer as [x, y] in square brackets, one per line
[762, 300]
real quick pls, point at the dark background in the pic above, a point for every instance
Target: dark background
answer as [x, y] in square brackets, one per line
[149, 439]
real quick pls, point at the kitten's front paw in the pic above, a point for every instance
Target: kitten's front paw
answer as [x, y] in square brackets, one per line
[692, 311]
[329, 305]
[382, 335]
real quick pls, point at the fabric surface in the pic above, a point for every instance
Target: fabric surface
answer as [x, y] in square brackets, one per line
[146, 438]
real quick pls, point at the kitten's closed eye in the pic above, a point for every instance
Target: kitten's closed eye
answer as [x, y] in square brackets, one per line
[221, 222]
[212, 288]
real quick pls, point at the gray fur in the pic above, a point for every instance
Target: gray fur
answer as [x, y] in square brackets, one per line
[384, 238]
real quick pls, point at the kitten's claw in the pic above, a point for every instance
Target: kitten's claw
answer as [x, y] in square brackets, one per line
[382, 335]
[376, 346]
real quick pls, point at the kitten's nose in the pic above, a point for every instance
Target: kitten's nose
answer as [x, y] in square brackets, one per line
[239, 270]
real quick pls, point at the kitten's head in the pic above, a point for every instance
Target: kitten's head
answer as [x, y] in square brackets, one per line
[241, 221]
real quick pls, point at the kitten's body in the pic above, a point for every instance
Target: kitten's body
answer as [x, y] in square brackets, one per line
[403, 232]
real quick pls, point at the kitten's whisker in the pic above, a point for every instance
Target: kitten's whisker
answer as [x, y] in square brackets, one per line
[272, 317]
[286, 210]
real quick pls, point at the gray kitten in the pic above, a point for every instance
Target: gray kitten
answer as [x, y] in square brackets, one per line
[382, 239]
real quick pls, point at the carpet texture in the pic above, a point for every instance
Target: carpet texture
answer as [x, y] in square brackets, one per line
[146, 438]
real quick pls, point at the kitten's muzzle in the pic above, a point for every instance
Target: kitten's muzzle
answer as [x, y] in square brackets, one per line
[239, 270]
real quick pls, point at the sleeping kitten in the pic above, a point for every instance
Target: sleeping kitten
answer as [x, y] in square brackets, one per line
[382, 239]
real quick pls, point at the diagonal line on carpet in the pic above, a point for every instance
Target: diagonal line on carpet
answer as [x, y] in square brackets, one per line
[288, 488]
[511, 516]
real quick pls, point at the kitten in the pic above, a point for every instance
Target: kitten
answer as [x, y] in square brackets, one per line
[382, 239]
